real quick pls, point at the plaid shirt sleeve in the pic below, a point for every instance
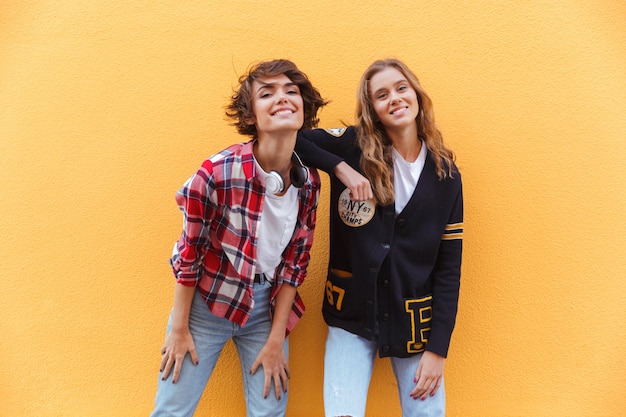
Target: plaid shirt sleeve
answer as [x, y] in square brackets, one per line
[198, 210]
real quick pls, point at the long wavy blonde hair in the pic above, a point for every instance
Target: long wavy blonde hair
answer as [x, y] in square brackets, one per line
[375, 145]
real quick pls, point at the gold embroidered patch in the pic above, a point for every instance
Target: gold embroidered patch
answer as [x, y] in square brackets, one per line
[421, 313]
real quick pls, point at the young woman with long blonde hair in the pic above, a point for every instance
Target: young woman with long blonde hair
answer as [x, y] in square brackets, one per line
[393, 277]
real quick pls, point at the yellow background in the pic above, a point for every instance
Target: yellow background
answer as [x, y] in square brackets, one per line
[106, 107]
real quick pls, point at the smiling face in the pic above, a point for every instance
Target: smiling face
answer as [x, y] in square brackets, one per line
[277, 104]
[394, 100]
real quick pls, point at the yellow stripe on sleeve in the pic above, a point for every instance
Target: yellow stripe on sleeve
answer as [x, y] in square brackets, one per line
[451, 226]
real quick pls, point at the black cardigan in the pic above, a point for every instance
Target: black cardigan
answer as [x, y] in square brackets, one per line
[393, 278]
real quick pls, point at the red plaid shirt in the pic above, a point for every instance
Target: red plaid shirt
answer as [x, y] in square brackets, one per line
[222, 204]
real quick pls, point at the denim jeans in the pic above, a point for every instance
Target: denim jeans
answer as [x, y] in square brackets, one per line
[210, 334]
[348, 365]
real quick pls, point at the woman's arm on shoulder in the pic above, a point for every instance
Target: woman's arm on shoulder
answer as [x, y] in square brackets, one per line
[326, 149]
[321, 149]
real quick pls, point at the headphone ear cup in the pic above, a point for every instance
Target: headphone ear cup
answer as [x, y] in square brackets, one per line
[274, 183]
[298, 176]
[299, 173]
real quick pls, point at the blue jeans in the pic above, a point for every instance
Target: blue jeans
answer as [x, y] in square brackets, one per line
[348, 365]
[210, 334]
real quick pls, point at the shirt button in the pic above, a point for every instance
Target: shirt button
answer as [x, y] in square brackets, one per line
[385, 317]
[401, 222]
[373, 269]
[385, 283]
[386, 245]
[386, 349]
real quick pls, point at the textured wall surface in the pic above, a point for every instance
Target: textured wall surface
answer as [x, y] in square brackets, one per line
[107, 107]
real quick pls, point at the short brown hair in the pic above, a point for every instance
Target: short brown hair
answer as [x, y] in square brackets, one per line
[240, 108]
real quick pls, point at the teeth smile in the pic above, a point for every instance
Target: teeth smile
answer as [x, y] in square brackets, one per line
[398, 110]
[280, 112]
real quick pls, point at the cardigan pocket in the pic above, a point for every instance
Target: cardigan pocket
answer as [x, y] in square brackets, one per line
[420, 312]
[339, 300]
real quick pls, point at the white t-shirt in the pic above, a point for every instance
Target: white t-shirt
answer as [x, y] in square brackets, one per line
[278, 221]
[405, 176]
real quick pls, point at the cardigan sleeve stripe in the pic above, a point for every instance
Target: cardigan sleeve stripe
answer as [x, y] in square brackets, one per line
[453, 231]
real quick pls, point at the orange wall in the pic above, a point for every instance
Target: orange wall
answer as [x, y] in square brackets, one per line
[107, 107]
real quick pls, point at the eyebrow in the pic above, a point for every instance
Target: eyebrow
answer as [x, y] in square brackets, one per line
[273, 85]
[400, 81]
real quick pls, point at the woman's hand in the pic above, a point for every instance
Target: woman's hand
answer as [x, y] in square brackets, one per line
[177, 344]
[179, 340]
[275, 366]
[428, 376]
[359, 186]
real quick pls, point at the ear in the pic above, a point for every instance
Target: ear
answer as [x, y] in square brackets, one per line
[249, 120]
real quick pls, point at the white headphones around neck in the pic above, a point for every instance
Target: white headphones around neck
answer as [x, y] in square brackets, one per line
[298, 174]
